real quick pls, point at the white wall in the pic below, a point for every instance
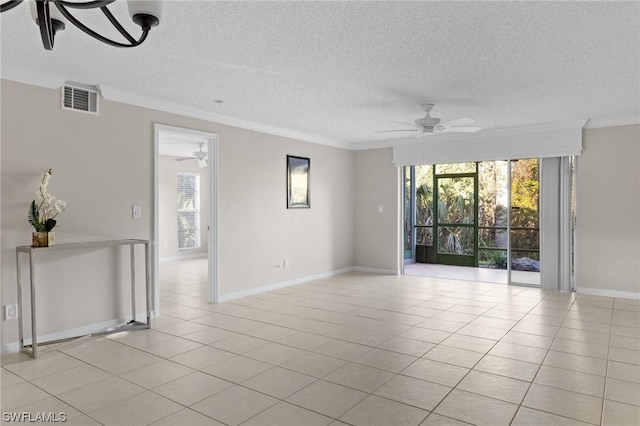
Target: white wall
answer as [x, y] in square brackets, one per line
[377, 183]
[168, 170]
[608, 209]
[104, 164]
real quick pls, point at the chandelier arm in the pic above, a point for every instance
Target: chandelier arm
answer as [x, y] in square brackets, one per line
[9, 5]
[44, 22]
[86, 5]
[89, 31]
[117, 24]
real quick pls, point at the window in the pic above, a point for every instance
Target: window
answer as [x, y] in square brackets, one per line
[188, 211]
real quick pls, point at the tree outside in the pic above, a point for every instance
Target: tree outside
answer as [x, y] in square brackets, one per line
[455, 205]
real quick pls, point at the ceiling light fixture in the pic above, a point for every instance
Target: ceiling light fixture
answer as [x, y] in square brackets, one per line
[51, 20]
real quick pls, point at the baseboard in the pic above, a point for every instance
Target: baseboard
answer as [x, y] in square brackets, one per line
[282, 284]
[9, 348]
[375, 270]
[609, 293]
[185, 257]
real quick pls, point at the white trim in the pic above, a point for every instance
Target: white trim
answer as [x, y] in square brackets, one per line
[372, 145]
[565, 226]
[33, 78]
[575, 218]
[87, 330]
[609, 293]
[212, 249]
[185, 257]
[375, 270]
[30, 77]
[213, 252]
[627, 120]
[548, 140]
[115, 95]
[282, 284]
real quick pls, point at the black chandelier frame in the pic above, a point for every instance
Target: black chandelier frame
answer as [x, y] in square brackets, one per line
[49, 26]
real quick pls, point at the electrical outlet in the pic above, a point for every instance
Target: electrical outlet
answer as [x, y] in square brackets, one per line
[285, 263]
[10, 311]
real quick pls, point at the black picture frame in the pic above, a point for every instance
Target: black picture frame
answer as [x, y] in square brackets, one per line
[298, 182]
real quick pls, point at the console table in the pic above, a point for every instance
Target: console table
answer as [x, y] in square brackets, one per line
[31, 253]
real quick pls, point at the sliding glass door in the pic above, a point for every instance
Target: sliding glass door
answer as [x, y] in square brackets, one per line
[478, 214]
[524, 222]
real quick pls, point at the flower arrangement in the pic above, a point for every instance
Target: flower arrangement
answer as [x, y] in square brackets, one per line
[42, 213]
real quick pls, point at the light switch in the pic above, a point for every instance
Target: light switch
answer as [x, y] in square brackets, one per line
[380, 208]
[137, 212]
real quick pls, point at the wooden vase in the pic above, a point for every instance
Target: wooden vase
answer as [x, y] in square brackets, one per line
[43, 239]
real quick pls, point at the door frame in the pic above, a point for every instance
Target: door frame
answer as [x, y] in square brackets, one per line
[212, 247]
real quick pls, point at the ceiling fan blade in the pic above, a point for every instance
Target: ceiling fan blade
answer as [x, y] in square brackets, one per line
[406, 123]
[184, 159]
[458, 122]
[460, 129]
[399, 130]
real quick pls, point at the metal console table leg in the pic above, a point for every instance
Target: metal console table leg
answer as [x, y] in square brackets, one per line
[32, 350]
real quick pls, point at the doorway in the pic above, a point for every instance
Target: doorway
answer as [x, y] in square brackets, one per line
[481, 215]
[185, 211]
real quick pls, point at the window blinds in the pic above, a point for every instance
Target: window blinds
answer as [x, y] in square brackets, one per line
[188, 211]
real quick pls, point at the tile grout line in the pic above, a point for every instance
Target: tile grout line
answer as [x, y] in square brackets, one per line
[472, 368]
[606, 371]
[545, 357]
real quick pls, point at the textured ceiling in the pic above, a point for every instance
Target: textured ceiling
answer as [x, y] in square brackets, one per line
[336, 72]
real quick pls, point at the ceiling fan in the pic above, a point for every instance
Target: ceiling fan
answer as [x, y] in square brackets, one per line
[199, 155]
[428, 124]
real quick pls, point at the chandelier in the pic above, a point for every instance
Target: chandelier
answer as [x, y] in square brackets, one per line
[145, 13]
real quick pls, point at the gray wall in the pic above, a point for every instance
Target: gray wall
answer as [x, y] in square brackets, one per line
[104, 164]
[377, 234]
[608, 209]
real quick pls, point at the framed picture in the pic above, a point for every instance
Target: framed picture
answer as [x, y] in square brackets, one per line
[298, 182]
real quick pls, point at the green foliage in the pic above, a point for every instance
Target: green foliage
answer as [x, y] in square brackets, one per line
[34, 218]
[498, 259]
[455, 205]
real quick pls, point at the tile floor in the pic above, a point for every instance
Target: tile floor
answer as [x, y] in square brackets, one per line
[465, 273]
[356, 349]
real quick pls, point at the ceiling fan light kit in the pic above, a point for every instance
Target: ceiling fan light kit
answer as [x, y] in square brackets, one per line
[428, 124]
[51, 20]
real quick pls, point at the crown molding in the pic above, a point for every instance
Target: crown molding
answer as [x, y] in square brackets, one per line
[112, 94]
[31, 78]
[362, 146]
[115, 95]
[626, 120]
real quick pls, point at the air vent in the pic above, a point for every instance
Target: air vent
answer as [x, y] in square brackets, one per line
[80, 99]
